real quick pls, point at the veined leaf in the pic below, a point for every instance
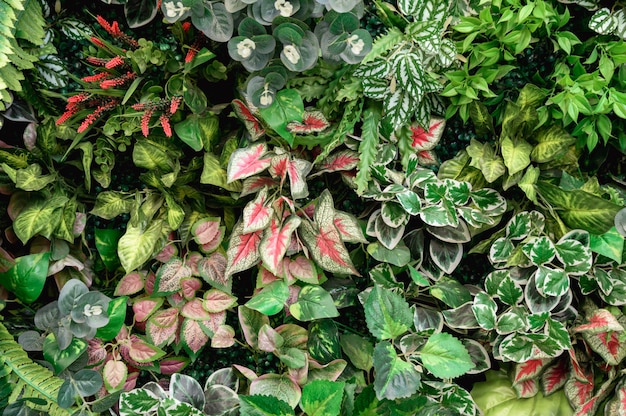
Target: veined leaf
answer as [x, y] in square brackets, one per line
[41, 216]
[395, 378]
[313, 303]
[387, 314]
[326, 247]
[243, 249]
[516, 155]
[322, 398]
[276, 241]
[248, 161]
[445, 356]
[137, 245]
[257, 213]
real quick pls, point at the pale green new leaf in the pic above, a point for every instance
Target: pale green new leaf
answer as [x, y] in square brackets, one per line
[516, 155]
[138, 244]
[445, 356]
[387, 314]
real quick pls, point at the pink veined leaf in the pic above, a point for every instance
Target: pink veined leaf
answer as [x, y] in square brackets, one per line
[131, 381]
[224, 337]
[349, 228]
[173, 365]
[165, 318]
[246, 372]
[169, 276]
[255, 184]
[269, 339]
[276, 241]
[114, 374]
[326, 248]
[190, 286]
[621, 397]
[312, 122]
[284, 205]
[150, 283]
[247, 161]
[265, 277]
[578, 371]
[167, 253]
[213, 271]
[191, 260]
[600, 321]
[589, 408]
[249, 120]
[303, 269]
[298, 170]
[214, 322]
[294, 292]
[611, 341]
[427, 140]
[214, 244]
[193, 336]
[578, 392]
[256, 214]
[330, 371]
[129, 284]
[96, 352]
[243, 250]
[79, 224]
[161, 336]
[340, 161]
[142, 352]
[427, 158]
[194, 310]
[217, 301]
[142, 309]
[527, 370]
[554, 377]
[527, 388]
[279, 165]
[205, 230]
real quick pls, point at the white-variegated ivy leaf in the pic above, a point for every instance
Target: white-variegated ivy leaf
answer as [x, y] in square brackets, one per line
[509, 291]
[388, 236]
[461, 317]
[551, 281]
[276, 242]
[458, 192]
[248, 161]
[349, 228]
[540, 250]
[536, 302]
[257, 213]
[489, 200]
[427, 321]
[493, 280]
[446, 256]
[439, 215]
[517, 348]
[458, 234]
[393, 214]
[574, 256]
[500, 250]
[485, 309]
[410, 201]
[603, 22]
[243, 250]
[478, 354]
[399, 105]
[519, 226]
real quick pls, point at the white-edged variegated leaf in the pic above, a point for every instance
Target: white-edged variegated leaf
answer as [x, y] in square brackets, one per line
[276, 242]
[603, 22]
[408, 7]
[440, 215]
[393, 214]
[248, 161]
[449, 234]
[427, 320]
[388, 236]
[536, 302]
[410, 201]
[519, 226]
[257, 213]
[447, 53]
[446, 256]
[243, 249]
[349, 228]
[485, 309]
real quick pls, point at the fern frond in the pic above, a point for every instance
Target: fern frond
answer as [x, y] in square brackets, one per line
[30, 379]
[384, 43]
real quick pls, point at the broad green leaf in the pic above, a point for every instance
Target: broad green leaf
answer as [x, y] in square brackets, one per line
[106, 244]
[322, 398]
[110, 204]
[313, 303]
[117, 314]
[137, 245]
[187, 390]
[445, 356]
[271, 299]
[27, 277]
[528, 181]
[395, 378]
[149, 155]
[516, 155]
[31, 179]
[87, 382]
[61, 359]
[552, 143]
[609, 244]
[251, 322]
[264, 405]
[580, 209]
[400, 256]
[359, 350]
[41, 216]
[214, 174]
[287, 107]
[450, 292]
[387, 314]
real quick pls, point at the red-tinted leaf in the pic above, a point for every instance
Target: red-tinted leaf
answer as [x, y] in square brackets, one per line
[276, 241]
[303, 269]
[578, 392]
[166, 253]
[169, 276]
[142, 352]
[600, 321]
[150, 283]
[249, 120]
[265, 277]
[269, 339]
[339, 161]
[527, 370]
[246, 372]
[215, 320]
[330, 371]
[205, 230]
[294, 336]
[527, 388]
[278, 167]
[190, 286]
[349, 228]
[173, 365]
[161, 327]
[312, 122]
[427, 140]
[554, 377]
[213, 271]
[193, 337]
[248, 161]
[257, 214]
[217, 301]
[577, 370]
[194, 310]
[427, 158]
[224, 337]
[326, 248]
[129, 284]
[191, 260]
[243, 250]
[298, 170]
[114, 375]
[146, 307]
[96, 353]
[131, 381]
[589, 408]
[255, 184]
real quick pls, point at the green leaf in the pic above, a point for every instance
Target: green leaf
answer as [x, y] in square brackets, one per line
[198, 132]
[358, 349]
[271, 299]
[27, 277]
[263, 405]
[117, 314]
[450, 292]
[287, 107]
[509, 291]
[41, 216]
[387, 314]
[485, 309]
[516, 155]
[106, 244]
[110, 204]
[322, 398]
[149, 155]
[87, 382]
[580, 209]
[609, 244]
[61, 359]
[313, 303]
[31, 179]
[445, 356]
[137, 245]
[540, 250]
[552, 143]
[395, 378]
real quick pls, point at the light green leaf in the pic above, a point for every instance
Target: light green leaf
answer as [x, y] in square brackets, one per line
[271, 299]
[516, 155]
[27, 277]
[264, 405]
[551, 144]
[31, 179]
[110, 204]
[445, 356]
[485, 309]
[41, 216]
[387, 314]
[138, 244]
[528, 181]
[359, 350]
[609, 244]
[287, 107]
[322, 398]
[313, 303]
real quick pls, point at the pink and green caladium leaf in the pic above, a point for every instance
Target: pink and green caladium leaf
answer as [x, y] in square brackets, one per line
[254, 127]
[313, 303]
[27, 277]
[194, 309]
[248, 161]
[193, 338]
[326, 247]
[213, 271]
[554, 377]
[189, 287]
[427, 140]
[271, 299]
[528, 370]
[130, 284]
[269, 339]
[161, 327]
[243, 249]
[601, 320]
[279, 386]
[395, 378]
[169, 277]
[276, 242]
[301, 268]
[257, 213]
[254, 184]
[114, 375]
[339, 161]
[218, 301]
[387, 314]
[526, 389]
[224, 337]
[312, 122]
[298, 170]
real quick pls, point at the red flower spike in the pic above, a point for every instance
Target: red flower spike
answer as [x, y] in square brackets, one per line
[119, 81]
[97, 61]
[145, 121]
[66, 116]
[78, 98]
[109, 105]
[174, 104]
[105, 25]
[186, 25]
[114, 62]
[139, 106]
[165, 123]
[96, 78]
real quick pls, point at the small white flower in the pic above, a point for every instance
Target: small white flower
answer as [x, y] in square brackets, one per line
[245, 48]
[292, 54]
[284, 7]
[356, 44]
[267, 97]
[90, 310]
[175, 10]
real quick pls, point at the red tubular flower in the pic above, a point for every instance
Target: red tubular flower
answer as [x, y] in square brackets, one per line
[65, 116]
[106, 106]
[105, 25]
[116, 82]
[175, 103]
[78, 98]
[97, 61]
[95, 78]
[113, 29]
[114, 62]
[97, 42]
[186, 26]
[145, 121]
[165, 123]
